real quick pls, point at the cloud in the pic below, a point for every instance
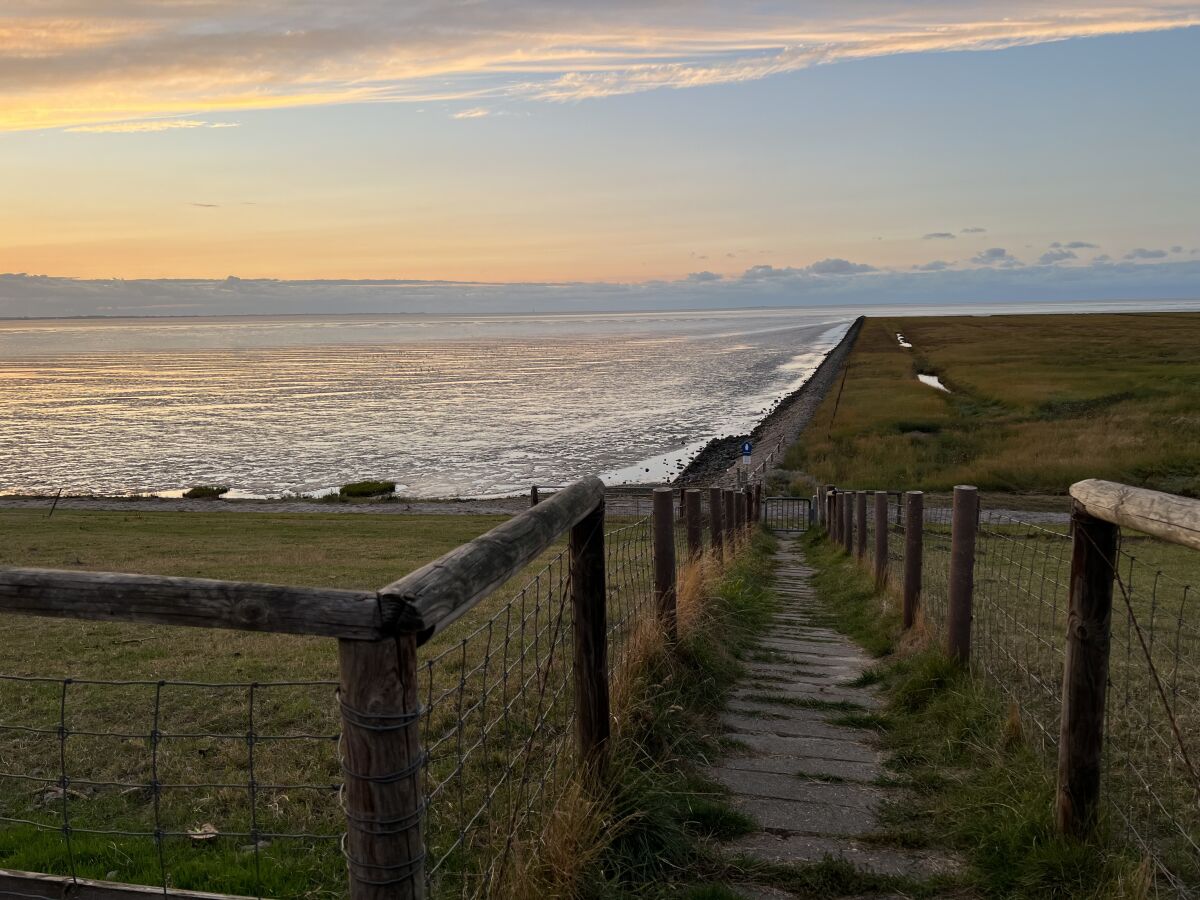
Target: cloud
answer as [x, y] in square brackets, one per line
[974, 229]
[69, 63]
[1102, 258]
[206, 205]
[995, 256]
[839, 267]
[1143, 253]
[149, 125]
[701, 277]
[938, 236]
[988, 287]
[936, 265]
[1081, 245]
[1177, 249]
[1056, 254]
[477, 112]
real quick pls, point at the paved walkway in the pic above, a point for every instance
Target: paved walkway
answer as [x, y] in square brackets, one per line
[809, 782]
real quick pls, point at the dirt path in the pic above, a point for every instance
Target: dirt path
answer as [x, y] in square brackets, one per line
[811, 782]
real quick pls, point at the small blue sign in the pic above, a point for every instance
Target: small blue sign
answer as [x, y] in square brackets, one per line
[746, 448]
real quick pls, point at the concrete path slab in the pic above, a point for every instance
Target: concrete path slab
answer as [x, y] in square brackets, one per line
[809, 781]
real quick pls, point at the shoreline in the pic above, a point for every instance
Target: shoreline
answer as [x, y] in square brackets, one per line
[783, 425]
[710, 465]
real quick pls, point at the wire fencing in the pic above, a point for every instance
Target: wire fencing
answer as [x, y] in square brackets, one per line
[256, 788]
[1020, 611]
[153, 782]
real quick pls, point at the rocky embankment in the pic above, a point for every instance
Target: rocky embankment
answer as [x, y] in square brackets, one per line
[784, 423]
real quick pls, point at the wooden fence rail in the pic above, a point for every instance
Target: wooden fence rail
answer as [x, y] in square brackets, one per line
[379, 634]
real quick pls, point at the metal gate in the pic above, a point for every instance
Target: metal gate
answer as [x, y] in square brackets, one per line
[787, 513]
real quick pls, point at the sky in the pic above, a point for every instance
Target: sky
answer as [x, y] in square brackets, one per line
[704, 153]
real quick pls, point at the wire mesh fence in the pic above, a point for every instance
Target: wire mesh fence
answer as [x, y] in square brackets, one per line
[1021, 600]
[230, 785]
[1152, 727]
[239, 787]
[1022, 580]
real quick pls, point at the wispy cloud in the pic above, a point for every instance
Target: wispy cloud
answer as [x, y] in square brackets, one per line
[938, 236]
[69, 64]
[974, 229]
[150, 125]
[477, 112]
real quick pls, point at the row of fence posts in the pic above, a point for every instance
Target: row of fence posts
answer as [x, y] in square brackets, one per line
[843, 514]
[385, 811]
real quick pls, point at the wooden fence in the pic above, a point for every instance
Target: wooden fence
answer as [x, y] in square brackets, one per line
[1044, 598]
[384, 728]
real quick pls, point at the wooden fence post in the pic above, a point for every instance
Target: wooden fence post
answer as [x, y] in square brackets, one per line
[533, 496]
[881, 539]
[664, 558]
[963, 528]
[730, 520]
[716, 520]
[860, 518]
[695, 524]
[848, 521]
[819, 500]
[589, 605]
[830, 510]
[381, 767]
[812, 511]
[1085, 672]
[914, 534]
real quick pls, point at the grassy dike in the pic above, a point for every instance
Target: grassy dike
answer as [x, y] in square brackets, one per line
[1035, 403]
[974, 785]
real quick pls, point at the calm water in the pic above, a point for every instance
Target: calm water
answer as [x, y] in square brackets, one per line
[445, 405]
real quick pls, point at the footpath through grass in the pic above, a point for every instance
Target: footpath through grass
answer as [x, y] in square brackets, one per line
[1035, 403]
[975, 785]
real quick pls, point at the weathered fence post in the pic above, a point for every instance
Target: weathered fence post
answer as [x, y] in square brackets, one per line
[881, 539]
[589, 605]
[819, 500]
[695, 524]
[848, 521]
[963, 528]
[812, 511]
[1085, 672]
[664, 558]
[860, 516]
[834, 505]
[716, 520]
[533, 496]
[730, 520]
[758, 498]
[914, 534]
[381, 767]
[739, 512]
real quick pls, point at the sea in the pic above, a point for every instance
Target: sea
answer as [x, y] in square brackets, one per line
[445, 406]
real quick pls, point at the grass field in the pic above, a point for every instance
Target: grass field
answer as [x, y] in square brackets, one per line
[1035, 403]
[202, 759]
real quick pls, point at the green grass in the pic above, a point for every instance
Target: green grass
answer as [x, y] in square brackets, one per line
[210, 724]
[973, 782]
[367, 489]
[1037, 402]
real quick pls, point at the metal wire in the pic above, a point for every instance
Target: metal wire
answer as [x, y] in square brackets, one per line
[110, 775]
[1152, 721]
[498, 720]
